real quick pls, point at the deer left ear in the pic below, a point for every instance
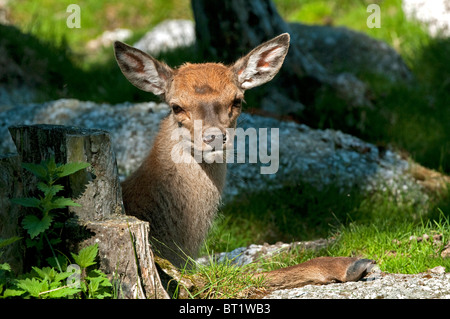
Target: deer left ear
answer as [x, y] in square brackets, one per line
[262, 63]
[142, 70]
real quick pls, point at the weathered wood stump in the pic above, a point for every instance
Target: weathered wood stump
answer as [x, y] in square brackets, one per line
[124, 253]
[10, 214]
[124, 248]
[96, 189]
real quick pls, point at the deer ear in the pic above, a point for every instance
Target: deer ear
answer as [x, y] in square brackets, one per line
[142, 70]
[262, 63]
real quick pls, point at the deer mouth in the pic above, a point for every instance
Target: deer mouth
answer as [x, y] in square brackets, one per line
[217, 156]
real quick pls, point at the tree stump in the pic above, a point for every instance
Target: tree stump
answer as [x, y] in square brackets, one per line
[96, 189]
[124, 253]
[124, 248]
[10, 215]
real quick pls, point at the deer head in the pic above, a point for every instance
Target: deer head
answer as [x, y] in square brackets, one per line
[209, 93]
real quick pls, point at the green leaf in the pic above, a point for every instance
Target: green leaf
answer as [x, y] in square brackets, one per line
[38, 243]
[27, 202]
[86, 256]
[63, 292]
[37, 169]
[62, 202]
[99, 285]
[5, 267]
[8, 241]
[70, 168]
[49, 190]
[46, 273]
[32, 286]
[35, 226]
[12, 293]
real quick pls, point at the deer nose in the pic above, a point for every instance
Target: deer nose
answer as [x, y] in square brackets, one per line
[217, 137]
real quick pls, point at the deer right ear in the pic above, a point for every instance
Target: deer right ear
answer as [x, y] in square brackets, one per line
[262, 63]
[142, 70]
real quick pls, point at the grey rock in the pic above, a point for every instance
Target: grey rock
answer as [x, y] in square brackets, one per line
[166, 36]
[254, 253]
[342, 50]
[383, 286]
[108, 37]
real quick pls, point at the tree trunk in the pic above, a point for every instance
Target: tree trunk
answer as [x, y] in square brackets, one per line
[226, 30]
[124, 249]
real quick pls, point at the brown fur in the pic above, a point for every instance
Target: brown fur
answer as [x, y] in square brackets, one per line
[318, 271]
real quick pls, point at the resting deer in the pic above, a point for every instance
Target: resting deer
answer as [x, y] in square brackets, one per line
[180, 200]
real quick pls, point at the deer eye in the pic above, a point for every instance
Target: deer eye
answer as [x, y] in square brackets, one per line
[176, 109]
[237, 103]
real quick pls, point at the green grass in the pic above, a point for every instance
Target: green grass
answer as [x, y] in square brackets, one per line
[58, 57]
[224, 281]
[47, 18]
[372, 226]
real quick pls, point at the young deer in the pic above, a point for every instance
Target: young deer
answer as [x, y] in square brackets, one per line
[180, 199]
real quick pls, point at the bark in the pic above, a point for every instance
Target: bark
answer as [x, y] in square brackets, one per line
[11, 187]
[124, 253]
[96, 189]
[227, 30]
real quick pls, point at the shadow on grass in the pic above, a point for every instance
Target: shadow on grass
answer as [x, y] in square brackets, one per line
[301, 212]
[54, 71]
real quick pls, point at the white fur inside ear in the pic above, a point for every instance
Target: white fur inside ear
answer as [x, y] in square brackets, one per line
[142, 70]
[143, 73]
[153, 78]
[262, 65]
[272, 57]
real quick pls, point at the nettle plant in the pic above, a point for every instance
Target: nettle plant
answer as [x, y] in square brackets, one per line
[47, 205]
[62, 279]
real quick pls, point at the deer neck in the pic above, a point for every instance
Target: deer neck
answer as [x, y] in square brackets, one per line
[182, 189]
[190, 174]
